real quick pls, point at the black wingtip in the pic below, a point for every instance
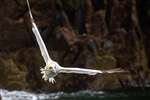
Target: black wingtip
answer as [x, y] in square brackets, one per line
[115, 71]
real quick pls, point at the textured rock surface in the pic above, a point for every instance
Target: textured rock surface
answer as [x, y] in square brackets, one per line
[89, 34]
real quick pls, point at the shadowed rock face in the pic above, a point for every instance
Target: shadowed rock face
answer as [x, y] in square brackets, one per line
[92, 34]
[13, 74]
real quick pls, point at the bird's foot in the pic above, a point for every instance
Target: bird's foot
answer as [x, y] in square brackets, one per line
[46, 77]
[52, 80]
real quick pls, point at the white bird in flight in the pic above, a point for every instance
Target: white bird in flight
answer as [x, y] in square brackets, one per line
[52, 68]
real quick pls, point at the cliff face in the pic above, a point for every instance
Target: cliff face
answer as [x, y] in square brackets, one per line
[98, 34]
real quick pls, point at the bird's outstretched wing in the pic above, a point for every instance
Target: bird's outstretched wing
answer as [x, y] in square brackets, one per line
[39, 39]
[89, 71]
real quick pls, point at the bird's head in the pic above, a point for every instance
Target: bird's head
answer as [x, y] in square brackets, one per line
[49, 67]
[52, 67]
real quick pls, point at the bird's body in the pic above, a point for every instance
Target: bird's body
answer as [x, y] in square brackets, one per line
[52, 68]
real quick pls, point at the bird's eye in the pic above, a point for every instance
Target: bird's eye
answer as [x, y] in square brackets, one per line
[49, 67]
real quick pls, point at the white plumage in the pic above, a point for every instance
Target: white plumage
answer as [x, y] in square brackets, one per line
[52, 68]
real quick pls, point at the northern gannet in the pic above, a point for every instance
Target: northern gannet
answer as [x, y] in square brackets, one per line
[52, 68]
